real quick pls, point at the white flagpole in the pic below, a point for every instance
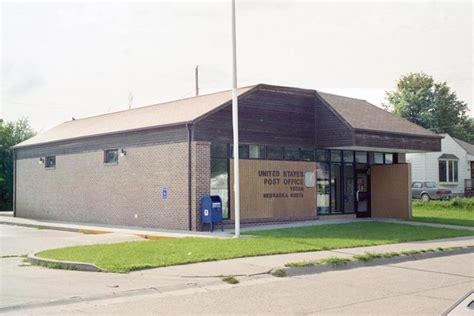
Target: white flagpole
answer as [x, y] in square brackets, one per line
[235, 128]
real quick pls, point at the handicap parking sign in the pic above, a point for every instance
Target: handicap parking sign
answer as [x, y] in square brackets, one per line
[164, 193]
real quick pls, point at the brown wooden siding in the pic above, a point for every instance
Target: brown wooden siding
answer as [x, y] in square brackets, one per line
[391, 191]
[265, 117]
[255, 206]
[331, 130]
[388, 140]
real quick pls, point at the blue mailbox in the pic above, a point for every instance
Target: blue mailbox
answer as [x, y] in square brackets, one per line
[211, 210]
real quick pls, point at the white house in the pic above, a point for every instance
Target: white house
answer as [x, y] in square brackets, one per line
[450, 168]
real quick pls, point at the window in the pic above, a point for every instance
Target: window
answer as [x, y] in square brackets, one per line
[335, 156]
[361, 157]
[455, 167]
[219, 150]
[442, 170]
[50, 162]
[292, 154]
[111, 156]
[348, 188]
[378, 158]
[243, 151]
[322, 183]
[307, 155]
[322, 155]
[388, 159]
[448, 171]
[220, 183]
[256, 152]
[336, 193]
[430, 185]
[274, 152]
[417, 185]
[348, 156]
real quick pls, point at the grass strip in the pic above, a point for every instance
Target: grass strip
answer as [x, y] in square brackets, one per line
[137, 255]
[458, 211]
[366, 257]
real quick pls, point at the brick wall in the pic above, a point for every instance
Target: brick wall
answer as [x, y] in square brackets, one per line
[83, 189]
[201, 184]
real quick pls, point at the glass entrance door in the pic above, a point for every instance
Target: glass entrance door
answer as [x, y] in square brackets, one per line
[363, 194]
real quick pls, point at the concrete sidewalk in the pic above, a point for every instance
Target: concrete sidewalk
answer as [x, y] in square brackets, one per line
[7, 219]
[262, 264]
[92, 228]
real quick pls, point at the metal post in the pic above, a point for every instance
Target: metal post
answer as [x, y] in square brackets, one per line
[235, 128]
[196, 79]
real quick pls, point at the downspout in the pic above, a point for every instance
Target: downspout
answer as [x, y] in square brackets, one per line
[14, 183]
[190, 136]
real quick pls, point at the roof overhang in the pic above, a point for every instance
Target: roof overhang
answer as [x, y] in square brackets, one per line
[397, 142]
[378, 149]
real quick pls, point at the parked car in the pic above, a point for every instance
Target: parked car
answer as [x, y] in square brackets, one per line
[428, 190]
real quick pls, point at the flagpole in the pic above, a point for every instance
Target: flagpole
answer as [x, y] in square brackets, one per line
[235, 128]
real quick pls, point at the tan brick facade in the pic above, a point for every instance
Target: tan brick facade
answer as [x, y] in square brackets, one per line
[83, 189]
[201, 184]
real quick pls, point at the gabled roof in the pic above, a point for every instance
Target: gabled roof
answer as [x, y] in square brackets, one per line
[360, 114]
[164, 114]
[469, 148]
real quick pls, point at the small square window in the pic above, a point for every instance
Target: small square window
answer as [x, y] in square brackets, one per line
[243, 151]
[322, 155]
[50, 162]
[388, 159]
[361, 157]
[307, 155]
[335, 156]
[378, 158]
[219, 150]
[256, 152]
[292, 154]
[274, 152]
[348, 156]
[111, 156]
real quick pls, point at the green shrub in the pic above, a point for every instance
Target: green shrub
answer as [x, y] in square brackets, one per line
[455, 203]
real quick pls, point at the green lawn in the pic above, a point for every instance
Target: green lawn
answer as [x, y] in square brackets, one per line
[458, 211]
[129, 256]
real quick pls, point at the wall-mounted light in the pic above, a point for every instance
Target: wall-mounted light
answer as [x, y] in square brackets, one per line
[123, 152]
[41, 160]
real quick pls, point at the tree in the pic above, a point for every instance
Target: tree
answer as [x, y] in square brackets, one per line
[432, 105]
[11, 133]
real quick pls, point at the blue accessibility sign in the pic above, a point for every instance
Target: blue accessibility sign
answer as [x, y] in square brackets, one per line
[164, 193]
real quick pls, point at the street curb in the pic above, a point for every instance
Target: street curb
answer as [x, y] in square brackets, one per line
[65, 265]
[326, 267]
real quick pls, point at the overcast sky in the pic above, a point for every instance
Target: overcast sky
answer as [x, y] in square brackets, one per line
[71, 59]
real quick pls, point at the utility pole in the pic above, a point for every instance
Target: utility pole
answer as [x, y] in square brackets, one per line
[196, 79]
[235, 127]
[130, 99]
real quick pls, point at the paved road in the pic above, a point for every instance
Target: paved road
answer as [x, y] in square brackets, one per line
[425, 287]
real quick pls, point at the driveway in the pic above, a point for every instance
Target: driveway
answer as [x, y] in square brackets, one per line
[21, 284]
[17, 240]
